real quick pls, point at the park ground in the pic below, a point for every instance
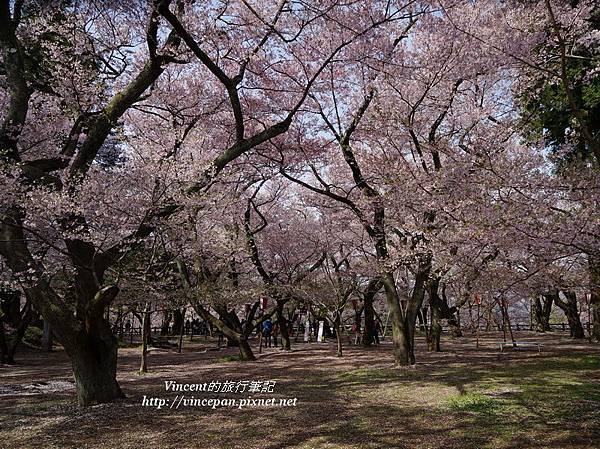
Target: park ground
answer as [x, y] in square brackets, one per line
[462, 397]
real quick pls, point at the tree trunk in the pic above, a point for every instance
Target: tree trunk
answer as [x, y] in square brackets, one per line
[87, 339]
[245, 350]
[435, 331]
[47, 340]
[457, 332]
[452, 314]
[542, 307]
[369, 295]
[400, 335]
[415, 303]
[490, 319]
[229, 331]
[145, 338]
[506, 320]
[95, 368]
[283, 327]
[230, 319]
[338, 337]
[166, 322]
[181, 329]
[178, 321]
[594, 270]
[569, 308]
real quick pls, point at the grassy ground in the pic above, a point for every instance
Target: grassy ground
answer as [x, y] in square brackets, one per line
[460, 398]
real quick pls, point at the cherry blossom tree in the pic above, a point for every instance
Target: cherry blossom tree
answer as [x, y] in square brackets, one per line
[246, 150]
[87, 173]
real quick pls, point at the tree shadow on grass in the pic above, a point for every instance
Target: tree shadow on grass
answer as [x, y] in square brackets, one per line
[357, 402]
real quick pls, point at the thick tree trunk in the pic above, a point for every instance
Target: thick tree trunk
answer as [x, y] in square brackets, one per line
[369, 295]
[400, 335]
[245, 350]
[542, 307]
[94, 363]
[454, 324]
[178, 321]
[569, 308]
[231, 328]
[93, 352]
[415, 303]
[90, 342]
[435, 332]
[87, 339]
[229, 319]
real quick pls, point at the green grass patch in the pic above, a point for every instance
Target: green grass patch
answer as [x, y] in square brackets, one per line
[522, 402]
[472, 402]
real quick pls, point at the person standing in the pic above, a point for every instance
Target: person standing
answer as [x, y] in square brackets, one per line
[357, 334]
[267, 327]
[220, 337]
[376, 329]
